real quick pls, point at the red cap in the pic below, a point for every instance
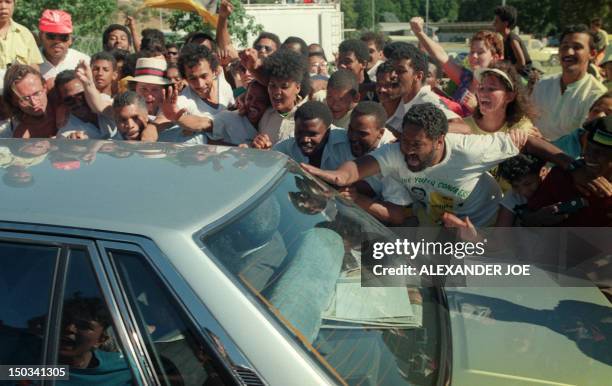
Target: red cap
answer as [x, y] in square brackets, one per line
[55, 21]
[67, 165]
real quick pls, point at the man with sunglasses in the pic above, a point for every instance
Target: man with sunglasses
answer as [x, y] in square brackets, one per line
[16, 41]
[55, 28]
[81, 117]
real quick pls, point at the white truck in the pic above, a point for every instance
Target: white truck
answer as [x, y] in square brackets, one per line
[314, 22]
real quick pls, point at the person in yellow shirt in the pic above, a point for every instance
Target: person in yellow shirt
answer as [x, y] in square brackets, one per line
[16, 41]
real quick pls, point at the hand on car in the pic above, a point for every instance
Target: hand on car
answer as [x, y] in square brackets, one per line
[262, 142]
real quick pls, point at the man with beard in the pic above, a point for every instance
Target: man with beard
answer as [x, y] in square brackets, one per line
[450, 168]
[564, 100]
[55, 28]
[315, 141]
[81, 117]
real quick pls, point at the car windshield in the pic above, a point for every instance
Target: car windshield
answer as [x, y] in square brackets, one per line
[298, 249]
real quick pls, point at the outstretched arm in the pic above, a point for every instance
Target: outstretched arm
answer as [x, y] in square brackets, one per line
[224, 41]
[435, 50]
[348, 173]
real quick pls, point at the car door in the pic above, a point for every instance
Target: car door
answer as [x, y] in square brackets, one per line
[56, 309]
[184, 344]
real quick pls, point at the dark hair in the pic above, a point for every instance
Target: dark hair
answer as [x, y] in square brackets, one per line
[314, 110]
[296, 40]
[439, 72]
[153, 44]
[427, 117]
[153, 33]
[64, 77]
[507, 14]
[104, 55]
[607, 95]
[129, 98]
[199, 35]
[171, 45]
[418, 60]
[390, 47]
[384, 68]
[119, 54]
[517, 167]
[579, 29]
[492, 40]
[596, 21]
[372, 109]
[344, 80]
[111, 28]
[521, 106]
[286, 64]
[268, 35]
[378, 39]
[316, 49]
[192, 54]
[172, 65]
[357, 47]
[14, 74]
[89, 308]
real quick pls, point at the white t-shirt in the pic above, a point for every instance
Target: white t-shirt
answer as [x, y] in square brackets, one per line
[425, 95]
[106, 127]
[559, 114]
[72, 59]
[336, 151]
[191, 101]
[459, 183]
[231, 127]
[372, 71]
[278, 127]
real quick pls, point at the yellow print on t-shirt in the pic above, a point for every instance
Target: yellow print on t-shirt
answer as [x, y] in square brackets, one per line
[438, 204]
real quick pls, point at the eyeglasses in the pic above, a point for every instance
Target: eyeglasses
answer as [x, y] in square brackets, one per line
[73, 99]
[61, 37]
[29, 99]
[259, 47]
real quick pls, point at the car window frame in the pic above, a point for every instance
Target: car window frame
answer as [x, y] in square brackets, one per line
[52, 330]
[197, 315]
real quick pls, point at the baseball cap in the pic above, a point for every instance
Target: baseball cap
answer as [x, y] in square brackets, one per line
[55, 21]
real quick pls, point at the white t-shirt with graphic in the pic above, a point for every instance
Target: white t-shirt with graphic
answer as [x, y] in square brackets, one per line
[458, 184]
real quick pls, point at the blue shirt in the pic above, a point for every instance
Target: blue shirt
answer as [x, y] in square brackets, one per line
[112, 369]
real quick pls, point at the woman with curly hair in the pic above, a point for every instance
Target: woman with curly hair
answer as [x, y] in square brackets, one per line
[486, 48]
[286, 72]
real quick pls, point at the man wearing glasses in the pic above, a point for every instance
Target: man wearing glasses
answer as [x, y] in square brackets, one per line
[25, 94]
[55, 28]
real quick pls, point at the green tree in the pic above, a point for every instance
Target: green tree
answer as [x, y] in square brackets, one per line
[350, 15]
[89, 17]
[240, 24]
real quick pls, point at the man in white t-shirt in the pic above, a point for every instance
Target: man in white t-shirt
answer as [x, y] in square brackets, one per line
[564, 100]
[411, 66]
[446, 172]
[240, 127]
[208, 92]
[55, 28]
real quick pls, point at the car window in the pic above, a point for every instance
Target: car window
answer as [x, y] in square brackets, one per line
[26, 280]
[87, 338]
[180, 356]
[298, 249]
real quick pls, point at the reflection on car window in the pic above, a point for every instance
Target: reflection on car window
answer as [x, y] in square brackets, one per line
[26, 280]
[299, 251]
[88, 344]
[180, 357]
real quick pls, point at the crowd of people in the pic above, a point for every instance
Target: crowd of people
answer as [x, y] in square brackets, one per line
[498, 144]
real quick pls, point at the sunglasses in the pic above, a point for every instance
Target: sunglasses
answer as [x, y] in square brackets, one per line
[61, 37]
[260, 47]
[73, 99]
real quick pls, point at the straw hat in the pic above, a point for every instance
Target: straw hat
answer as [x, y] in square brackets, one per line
[152, 71]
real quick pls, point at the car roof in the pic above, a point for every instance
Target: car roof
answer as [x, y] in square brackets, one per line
[131, 187]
